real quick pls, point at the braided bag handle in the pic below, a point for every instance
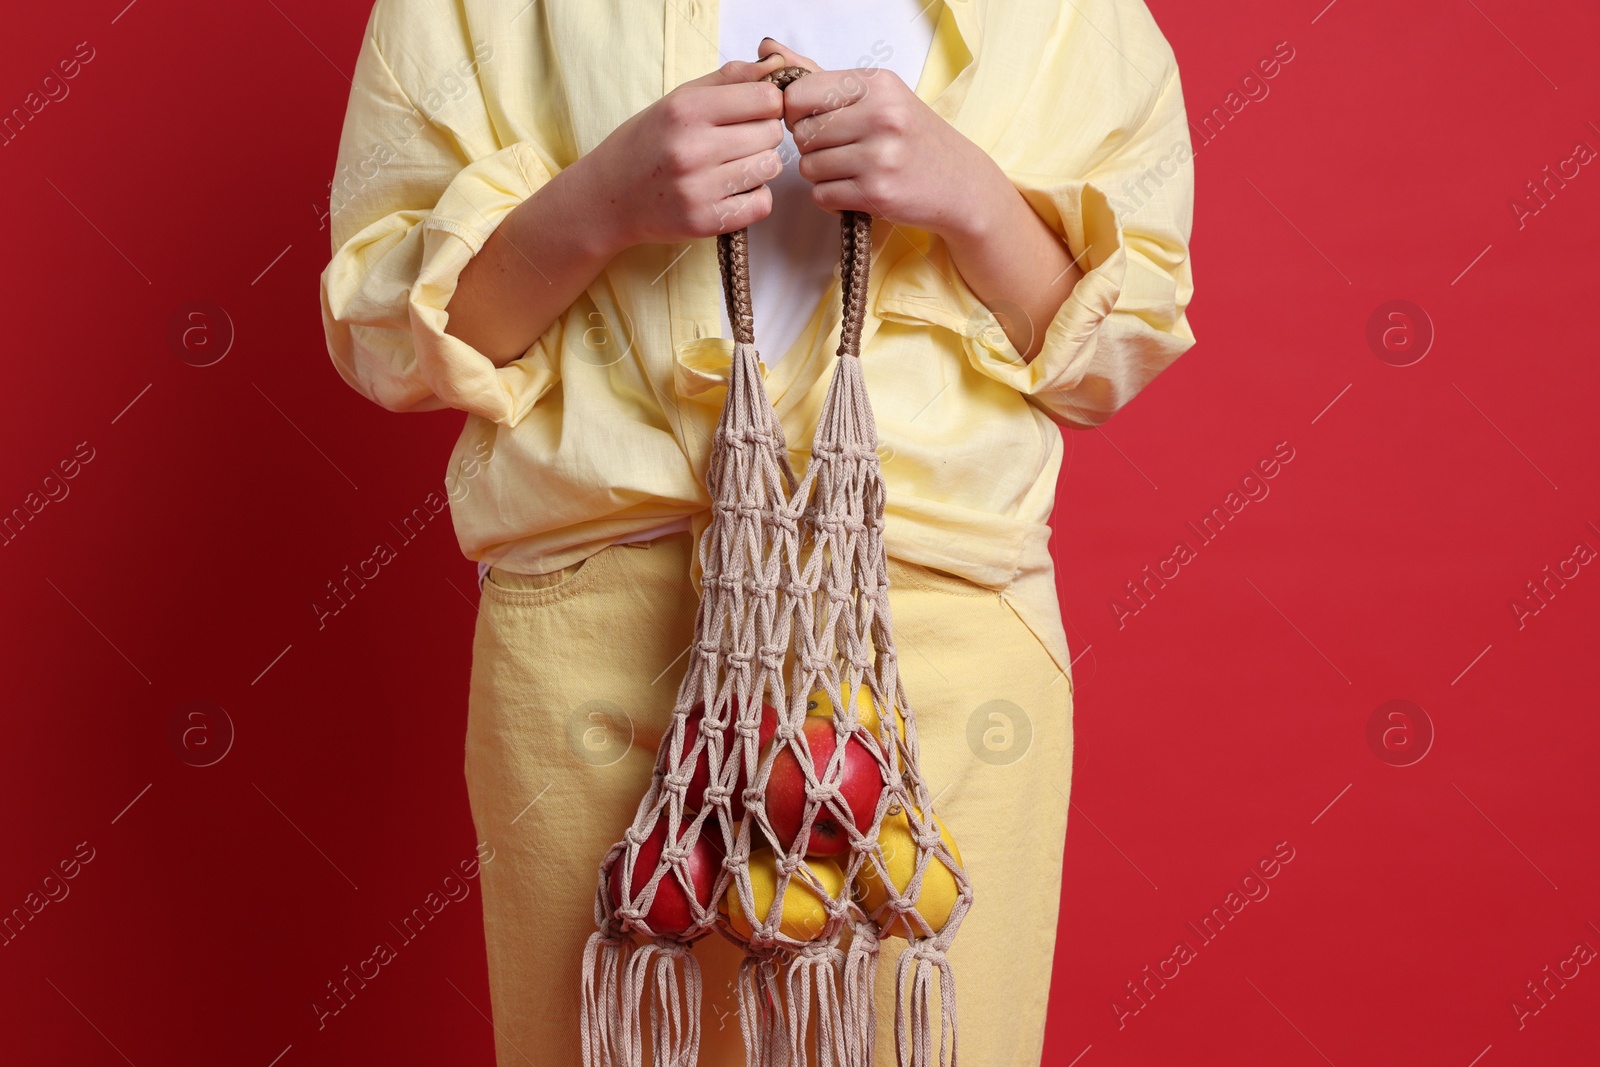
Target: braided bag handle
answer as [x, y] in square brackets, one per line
[733, 257]
[794, 606]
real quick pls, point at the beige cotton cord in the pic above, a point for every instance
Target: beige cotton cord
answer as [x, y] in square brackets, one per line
[792, 569]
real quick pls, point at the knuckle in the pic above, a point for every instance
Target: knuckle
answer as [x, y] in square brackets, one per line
[746, 182]
[679, 158]
[675, 108]
[760, 204]
[747, 176]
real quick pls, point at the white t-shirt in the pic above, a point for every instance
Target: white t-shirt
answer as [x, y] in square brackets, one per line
[795, 250]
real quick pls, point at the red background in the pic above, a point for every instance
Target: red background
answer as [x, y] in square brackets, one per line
[1230, 714]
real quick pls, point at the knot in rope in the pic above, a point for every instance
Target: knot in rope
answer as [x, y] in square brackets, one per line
[902, 903]
[839, 907]
[812, 662]
[669, 945]
[813, 949]
[823, 792]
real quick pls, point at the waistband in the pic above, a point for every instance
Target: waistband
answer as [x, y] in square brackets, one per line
[1029, 588]
[900, 571]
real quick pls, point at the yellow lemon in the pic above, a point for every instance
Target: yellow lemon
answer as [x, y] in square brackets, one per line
[819, 704]
[804, 913]
[939, 890]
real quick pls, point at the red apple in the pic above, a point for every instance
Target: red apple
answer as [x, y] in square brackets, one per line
[669, 911]
[732, 748]
[860, 786]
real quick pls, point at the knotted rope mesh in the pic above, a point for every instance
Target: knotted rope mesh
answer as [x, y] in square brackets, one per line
[794, 604]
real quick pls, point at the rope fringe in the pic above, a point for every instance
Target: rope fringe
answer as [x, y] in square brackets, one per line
[860, 973]
[603, 959]
[914, 1015]
[765, 1043]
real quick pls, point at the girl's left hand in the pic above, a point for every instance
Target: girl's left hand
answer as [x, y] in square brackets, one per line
[869, 144]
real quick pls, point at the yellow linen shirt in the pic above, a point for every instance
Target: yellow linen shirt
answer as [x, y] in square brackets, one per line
[461, 109]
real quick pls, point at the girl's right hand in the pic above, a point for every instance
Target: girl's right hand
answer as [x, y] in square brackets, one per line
[695, 163]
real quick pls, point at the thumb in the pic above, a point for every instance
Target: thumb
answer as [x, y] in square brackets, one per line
[791, 58]
[738, 70]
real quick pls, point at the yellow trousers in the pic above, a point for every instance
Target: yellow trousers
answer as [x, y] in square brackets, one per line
[574, 677]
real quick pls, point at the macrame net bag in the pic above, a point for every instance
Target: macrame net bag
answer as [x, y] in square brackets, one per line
[794, 600]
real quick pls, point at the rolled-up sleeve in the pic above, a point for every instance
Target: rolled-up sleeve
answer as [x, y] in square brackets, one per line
[1127, 221]
[411, 203]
